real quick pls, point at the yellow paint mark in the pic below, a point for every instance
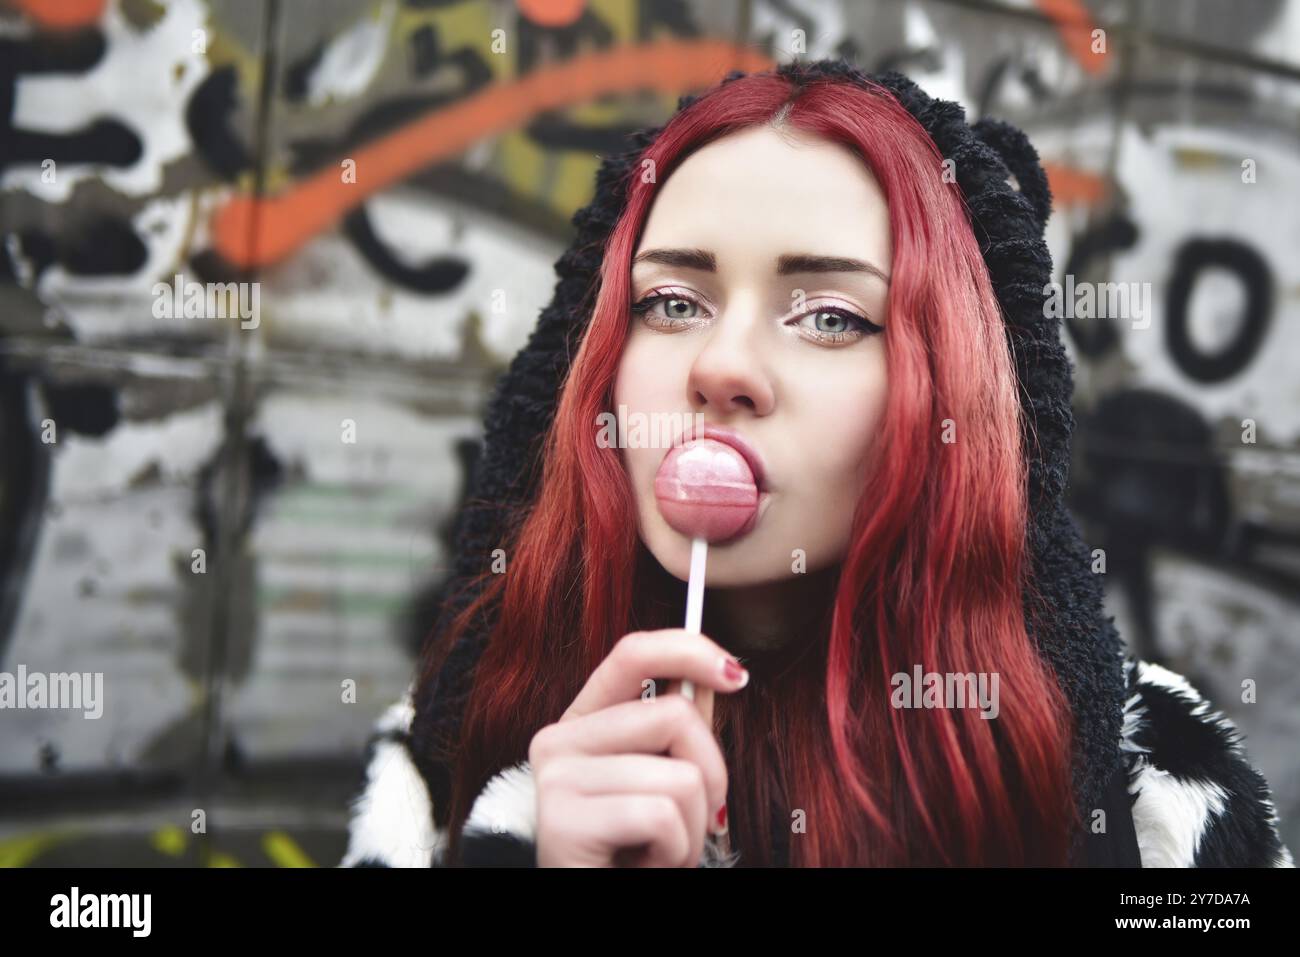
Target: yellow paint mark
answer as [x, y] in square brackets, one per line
[618, 15]
[522, 162]
[221, 859]
[1190, 157]
[595, 113]
[464, 26]
[574, 182]
[573, 177]
[284, 850]
[169, 840]
[224, 49]
[20, 851]
[287, 220]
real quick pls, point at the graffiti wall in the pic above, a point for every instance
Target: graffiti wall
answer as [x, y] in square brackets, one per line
[226, 502]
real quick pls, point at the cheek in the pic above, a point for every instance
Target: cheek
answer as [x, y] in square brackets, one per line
[635, 383]
[639, 389]
[837, 440]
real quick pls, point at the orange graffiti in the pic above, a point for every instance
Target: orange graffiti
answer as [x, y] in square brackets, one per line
[61, 14]
[1071, 187]
[551, 13]
[249, 232]
[1075, 25]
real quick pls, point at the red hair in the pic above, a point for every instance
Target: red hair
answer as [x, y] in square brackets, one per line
[936, 572]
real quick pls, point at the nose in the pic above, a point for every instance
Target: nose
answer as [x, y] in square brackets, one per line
[728, 373]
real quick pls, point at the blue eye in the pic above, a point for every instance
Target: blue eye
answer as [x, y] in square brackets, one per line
[831, 325]
[843, 325]
[841, 321]
[677, 309]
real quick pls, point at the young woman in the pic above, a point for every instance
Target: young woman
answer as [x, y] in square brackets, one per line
[836, 279]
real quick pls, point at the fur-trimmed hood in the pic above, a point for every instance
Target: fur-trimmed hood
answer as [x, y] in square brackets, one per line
[1170, 774]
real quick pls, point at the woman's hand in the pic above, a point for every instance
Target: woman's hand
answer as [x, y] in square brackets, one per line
[623, 779]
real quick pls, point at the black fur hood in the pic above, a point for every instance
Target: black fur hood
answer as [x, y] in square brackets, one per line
[1171, 775]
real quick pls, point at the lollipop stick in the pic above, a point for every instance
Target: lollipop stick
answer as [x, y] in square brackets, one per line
[695, 598]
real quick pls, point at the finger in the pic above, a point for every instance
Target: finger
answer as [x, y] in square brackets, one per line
[683, 781]
[703, 701]
[717, 822]
[645, 655]
[648, 823]
[605, 830]
[668, 725]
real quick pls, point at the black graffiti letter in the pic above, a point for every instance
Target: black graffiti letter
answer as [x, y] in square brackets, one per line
[1194, 256]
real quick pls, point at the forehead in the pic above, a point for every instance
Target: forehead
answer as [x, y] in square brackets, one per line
[756, 194]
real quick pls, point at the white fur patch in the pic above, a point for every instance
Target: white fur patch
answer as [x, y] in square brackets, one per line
[1170, 814]
[392, 819]
[508, 805]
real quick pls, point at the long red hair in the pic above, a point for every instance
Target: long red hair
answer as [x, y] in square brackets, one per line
[936, 572]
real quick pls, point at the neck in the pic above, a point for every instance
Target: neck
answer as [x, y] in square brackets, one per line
[757, 621]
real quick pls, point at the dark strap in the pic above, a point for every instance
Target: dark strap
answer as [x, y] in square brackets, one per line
[1117, 846]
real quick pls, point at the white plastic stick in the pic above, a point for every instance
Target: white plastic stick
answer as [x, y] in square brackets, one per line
[695, 598]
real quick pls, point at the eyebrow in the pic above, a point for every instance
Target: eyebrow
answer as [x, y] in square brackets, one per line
[789, 264]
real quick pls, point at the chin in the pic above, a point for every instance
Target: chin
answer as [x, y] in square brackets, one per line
[731, 563]
[726, 567]
[672, 551]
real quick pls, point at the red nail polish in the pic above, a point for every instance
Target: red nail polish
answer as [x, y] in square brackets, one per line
[734, 672]
[721, 819]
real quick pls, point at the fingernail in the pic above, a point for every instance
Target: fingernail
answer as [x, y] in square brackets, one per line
[720, 821]
[733, 672]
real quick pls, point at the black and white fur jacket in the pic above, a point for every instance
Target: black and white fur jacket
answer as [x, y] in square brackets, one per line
[1170, 773]
[1195, 799]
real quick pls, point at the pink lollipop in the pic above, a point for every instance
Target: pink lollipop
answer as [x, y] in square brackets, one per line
[705, 489]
